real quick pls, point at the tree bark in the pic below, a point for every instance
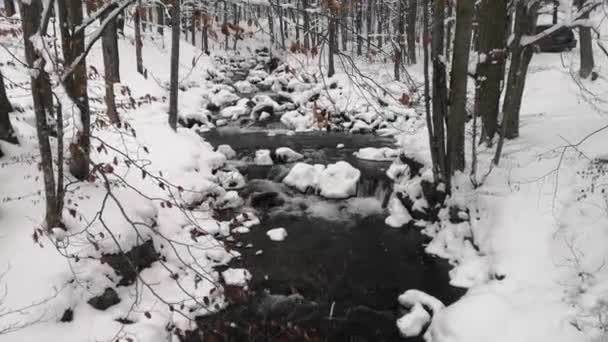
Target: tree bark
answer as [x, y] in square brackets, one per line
[9, 8]
[458, 85]
[439, 89]
[587, 63]
[175, 32]
[359, 29]
[70, 16]
[379, 18]
[160, 19]
[411, 15]
[111, 64]
[30, 15]
[490, 71]
[331, 22]
[306, 20]
[400, 47]
[138, 39]
[368, 26]
[7, 133]
[525, 23]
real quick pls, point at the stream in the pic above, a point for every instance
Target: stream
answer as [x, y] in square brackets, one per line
[338, 273]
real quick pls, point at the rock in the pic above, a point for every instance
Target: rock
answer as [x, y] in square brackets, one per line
[277, 234]
[68, 315]
[415, 166]
[267, 200]
[339, 180]
[262, 157]
[458, 215]
[128, 265]
[434, 194]
[108, 298]
[227, 151]
[287, 155]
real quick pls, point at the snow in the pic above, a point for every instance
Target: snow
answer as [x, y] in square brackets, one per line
[339, 180]
[236, 276]
[412, 323]
[262, 157]
[288, 155]
[304, 176]
[297, 121]
[399, 215]
[372, 153]
[277, 234]
[227, 151]
[245, 87]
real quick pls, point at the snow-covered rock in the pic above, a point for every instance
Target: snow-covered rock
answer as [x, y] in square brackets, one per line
[227, 151]
[264, 116]
[304, 176]
[412, 323]
[236, 111]
[245, 87]
[399, 215]
[287, 155]
[412, 297]
[297, 121]
[262, 157]
[223, 97]
[277, 234]
[236, 276]
[372, 153]
[231, 179]
[339, 180]
[230, 199]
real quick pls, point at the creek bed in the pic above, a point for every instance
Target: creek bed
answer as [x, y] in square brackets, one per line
[337, 275]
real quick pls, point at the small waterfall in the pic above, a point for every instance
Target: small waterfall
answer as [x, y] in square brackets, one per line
[380, 188]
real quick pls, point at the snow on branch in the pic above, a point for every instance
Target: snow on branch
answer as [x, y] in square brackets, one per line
[95, 37]
[100, 13]
[578, 20]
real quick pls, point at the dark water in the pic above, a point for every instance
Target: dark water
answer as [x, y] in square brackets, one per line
[339, 259]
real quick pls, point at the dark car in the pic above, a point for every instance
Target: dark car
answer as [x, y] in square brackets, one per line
[558, 41]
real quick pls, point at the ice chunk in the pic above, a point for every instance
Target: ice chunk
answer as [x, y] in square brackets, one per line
[412, 323]
[339, 180]
[277, 234]
[227, 151]
[288, 155]
[304, 176]
[372, 153]
[236, 276]
[262, 157]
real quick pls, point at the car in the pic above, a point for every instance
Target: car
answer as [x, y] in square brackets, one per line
[558, 41]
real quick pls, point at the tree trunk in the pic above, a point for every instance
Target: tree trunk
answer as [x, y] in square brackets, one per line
[490, 70]
[439, 92]
[450, 24]
[271, 25]
[160, 19]
[205, 35]
[332, 44]
[525, 23]
[70, 17]
[138, 39]
[368, 26]
[111, 64]
[458, 84]
[359, 29]
[225, 25]
[193, 21]
[30, 15]
[7, 133]
[400, 47]
[379, 19]
[282, 27]
[411, 30]
[587, 63]
[175, 31]
[306, 25]
[9, 8]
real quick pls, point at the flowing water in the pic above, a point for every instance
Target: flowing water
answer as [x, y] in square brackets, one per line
[337, 275]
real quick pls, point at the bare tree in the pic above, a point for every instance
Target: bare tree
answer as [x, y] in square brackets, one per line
[587, 63]
[9, 8]
[458, 84]
[138, 39]
[175, 32]
[111, 63]
[439, 90]
[73, 46]
[411, 17]
[490, 69]
[6, 129]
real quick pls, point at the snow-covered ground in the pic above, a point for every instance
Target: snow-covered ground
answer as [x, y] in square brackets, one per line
[530, 246]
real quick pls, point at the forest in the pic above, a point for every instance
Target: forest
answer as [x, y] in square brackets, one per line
[304, 170]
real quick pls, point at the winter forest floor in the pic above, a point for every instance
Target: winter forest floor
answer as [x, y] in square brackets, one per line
[529, 244]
